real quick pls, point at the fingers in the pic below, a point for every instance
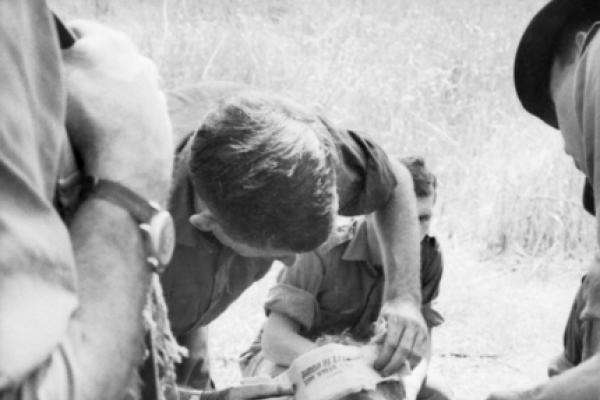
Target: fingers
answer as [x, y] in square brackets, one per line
[392, 337]
[420, 346]
[409, 338]
[403, 356]
[414, 342]
[405, 341]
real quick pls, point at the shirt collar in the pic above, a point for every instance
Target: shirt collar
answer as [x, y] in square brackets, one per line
[363, 244]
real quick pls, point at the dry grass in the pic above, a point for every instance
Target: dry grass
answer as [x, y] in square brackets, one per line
[426, 77]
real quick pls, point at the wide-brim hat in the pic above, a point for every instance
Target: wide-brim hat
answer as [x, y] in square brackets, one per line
[533, 61]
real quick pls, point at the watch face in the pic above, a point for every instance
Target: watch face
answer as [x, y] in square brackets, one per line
[162, 237]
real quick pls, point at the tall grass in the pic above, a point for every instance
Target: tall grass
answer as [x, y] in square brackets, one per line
[429, 77]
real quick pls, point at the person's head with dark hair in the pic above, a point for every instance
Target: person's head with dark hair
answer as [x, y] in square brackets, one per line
[425, 184]
[262, 170]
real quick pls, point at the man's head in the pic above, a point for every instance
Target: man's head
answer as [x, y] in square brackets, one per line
[550, 39]
[425, 184]
[262, 170]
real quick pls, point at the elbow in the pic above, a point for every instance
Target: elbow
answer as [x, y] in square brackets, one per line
[34, 318]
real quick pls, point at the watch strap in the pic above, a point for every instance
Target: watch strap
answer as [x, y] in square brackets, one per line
[140, 209]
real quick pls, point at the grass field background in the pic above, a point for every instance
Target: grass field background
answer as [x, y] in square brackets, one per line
[427, 77]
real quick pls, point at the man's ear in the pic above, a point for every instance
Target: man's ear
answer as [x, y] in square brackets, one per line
[203, 221]
[580, 40]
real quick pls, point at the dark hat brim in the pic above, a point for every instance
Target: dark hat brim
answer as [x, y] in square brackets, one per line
[535, 53]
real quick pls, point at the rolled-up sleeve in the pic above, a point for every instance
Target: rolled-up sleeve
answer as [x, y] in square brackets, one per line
[365, 177]
[295, 295]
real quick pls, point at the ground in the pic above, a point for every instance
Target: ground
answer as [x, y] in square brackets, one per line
[504, 321]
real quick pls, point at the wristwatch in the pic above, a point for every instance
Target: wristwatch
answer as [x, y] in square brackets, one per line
[155, 222]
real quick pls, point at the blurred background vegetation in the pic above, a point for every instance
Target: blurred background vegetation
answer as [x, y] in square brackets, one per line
[426, 77]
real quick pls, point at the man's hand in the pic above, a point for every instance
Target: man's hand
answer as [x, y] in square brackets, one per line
[405, 339]
[244, 392]
[116, 115]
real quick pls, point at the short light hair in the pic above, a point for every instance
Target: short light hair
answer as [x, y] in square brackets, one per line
[265, 167]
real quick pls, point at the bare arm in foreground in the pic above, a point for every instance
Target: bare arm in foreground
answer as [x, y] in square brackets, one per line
[114, 105]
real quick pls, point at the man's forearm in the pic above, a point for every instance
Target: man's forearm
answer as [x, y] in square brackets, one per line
[107, 333]
[196, 342]
[579, 383]
[398, 231]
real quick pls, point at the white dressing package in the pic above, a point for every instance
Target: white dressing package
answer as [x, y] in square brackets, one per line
[330, 372]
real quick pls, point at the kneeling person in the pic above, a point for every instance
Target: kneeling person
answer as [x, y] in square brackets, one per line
[338, 289]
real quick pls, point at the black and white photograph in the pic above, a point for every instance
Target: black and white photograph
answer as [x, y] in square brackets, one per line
[299, 200]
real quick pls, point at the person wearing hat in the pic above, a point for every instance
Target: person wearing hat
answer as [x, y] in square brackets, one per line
[557, 79]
